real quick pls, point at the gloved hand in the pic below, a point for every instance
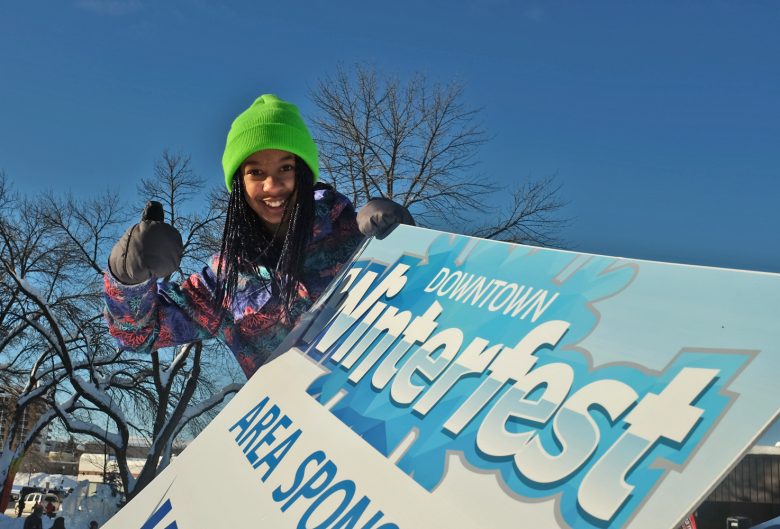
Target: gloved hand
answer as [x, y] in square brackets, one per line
[150, 248]
[380, 215]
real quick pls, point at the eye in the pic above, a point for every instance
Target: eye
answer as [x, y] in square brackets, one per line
[287, 167]
[257, 173]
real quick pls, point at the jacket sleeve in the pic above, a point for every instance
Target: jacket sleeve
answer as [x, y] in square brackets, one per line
[157, 314]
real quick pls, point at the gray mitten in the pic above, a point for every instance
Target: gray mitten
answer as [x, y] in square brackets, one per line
[380, 215]
[151, 248]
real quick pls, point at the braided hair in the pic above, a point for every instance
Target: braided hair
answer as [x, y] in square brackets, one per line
[247, 245]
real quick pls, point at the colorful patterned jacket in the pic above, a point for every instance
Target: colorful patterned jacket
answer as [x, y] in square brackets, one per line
[158, 314]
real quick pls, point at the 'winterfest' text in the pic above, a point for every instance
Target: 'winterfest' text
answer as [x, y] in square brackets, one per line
[421, 363]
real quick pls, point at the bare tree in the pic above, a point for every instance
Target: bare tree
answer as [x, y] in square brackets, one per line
[98, 387]
[175, 185]
[531, 217]
[28, 256]
[417, 144]
[55, 349]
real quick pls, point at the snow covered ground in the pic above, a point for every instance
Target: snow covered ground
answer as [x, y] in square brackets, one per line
[39, 479]
[78, 509]
[18, 523]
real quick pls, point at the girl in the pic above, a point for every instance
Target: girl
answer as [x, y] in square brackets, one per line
[285, 239]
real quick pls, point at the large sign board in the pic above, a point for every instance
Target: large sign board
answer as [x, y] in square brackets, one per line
[451, 382]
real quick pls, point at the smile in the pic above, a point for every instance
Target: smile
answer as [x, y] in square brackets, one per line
[275, 203]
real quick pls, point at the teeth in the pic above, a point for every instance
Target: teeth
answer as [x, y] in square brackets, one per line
[275, 203]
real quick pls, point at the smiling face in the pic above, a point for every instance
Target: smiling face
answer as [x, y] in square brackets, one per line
[269, 185]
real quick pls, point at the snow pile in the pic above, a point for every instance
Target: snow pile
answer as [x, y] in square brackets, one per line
[39, 479]
[86, 503]
[11, 523]
[18, 523]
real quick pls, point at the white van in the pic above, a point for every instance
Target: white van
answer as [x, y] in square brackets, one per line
[42, 499]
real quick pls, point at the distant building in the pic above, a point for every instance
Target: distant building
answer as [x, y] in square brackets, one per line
[93, 467]
[97, 467]
[63, 462]
[751, 489]
[30, 415]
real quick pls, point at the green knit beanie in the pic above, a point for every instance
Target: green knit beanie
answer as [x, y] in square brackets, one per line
[270, 123]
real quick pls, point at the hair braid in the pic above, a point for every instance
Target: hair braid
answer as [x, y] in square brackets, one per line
[247, 246]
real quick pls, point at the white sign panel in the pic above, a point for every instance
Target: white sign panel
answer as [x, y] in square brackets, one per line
[459, 383]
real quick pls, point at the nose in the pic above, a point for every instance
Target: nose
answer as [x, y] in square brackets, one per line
[272, 184]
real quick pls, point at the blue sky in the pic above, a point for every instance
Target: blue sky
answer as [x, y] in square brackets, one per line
[660, 119]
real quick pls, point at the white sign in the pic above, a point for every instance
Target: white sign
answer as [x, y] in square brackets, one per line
[458, 383]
